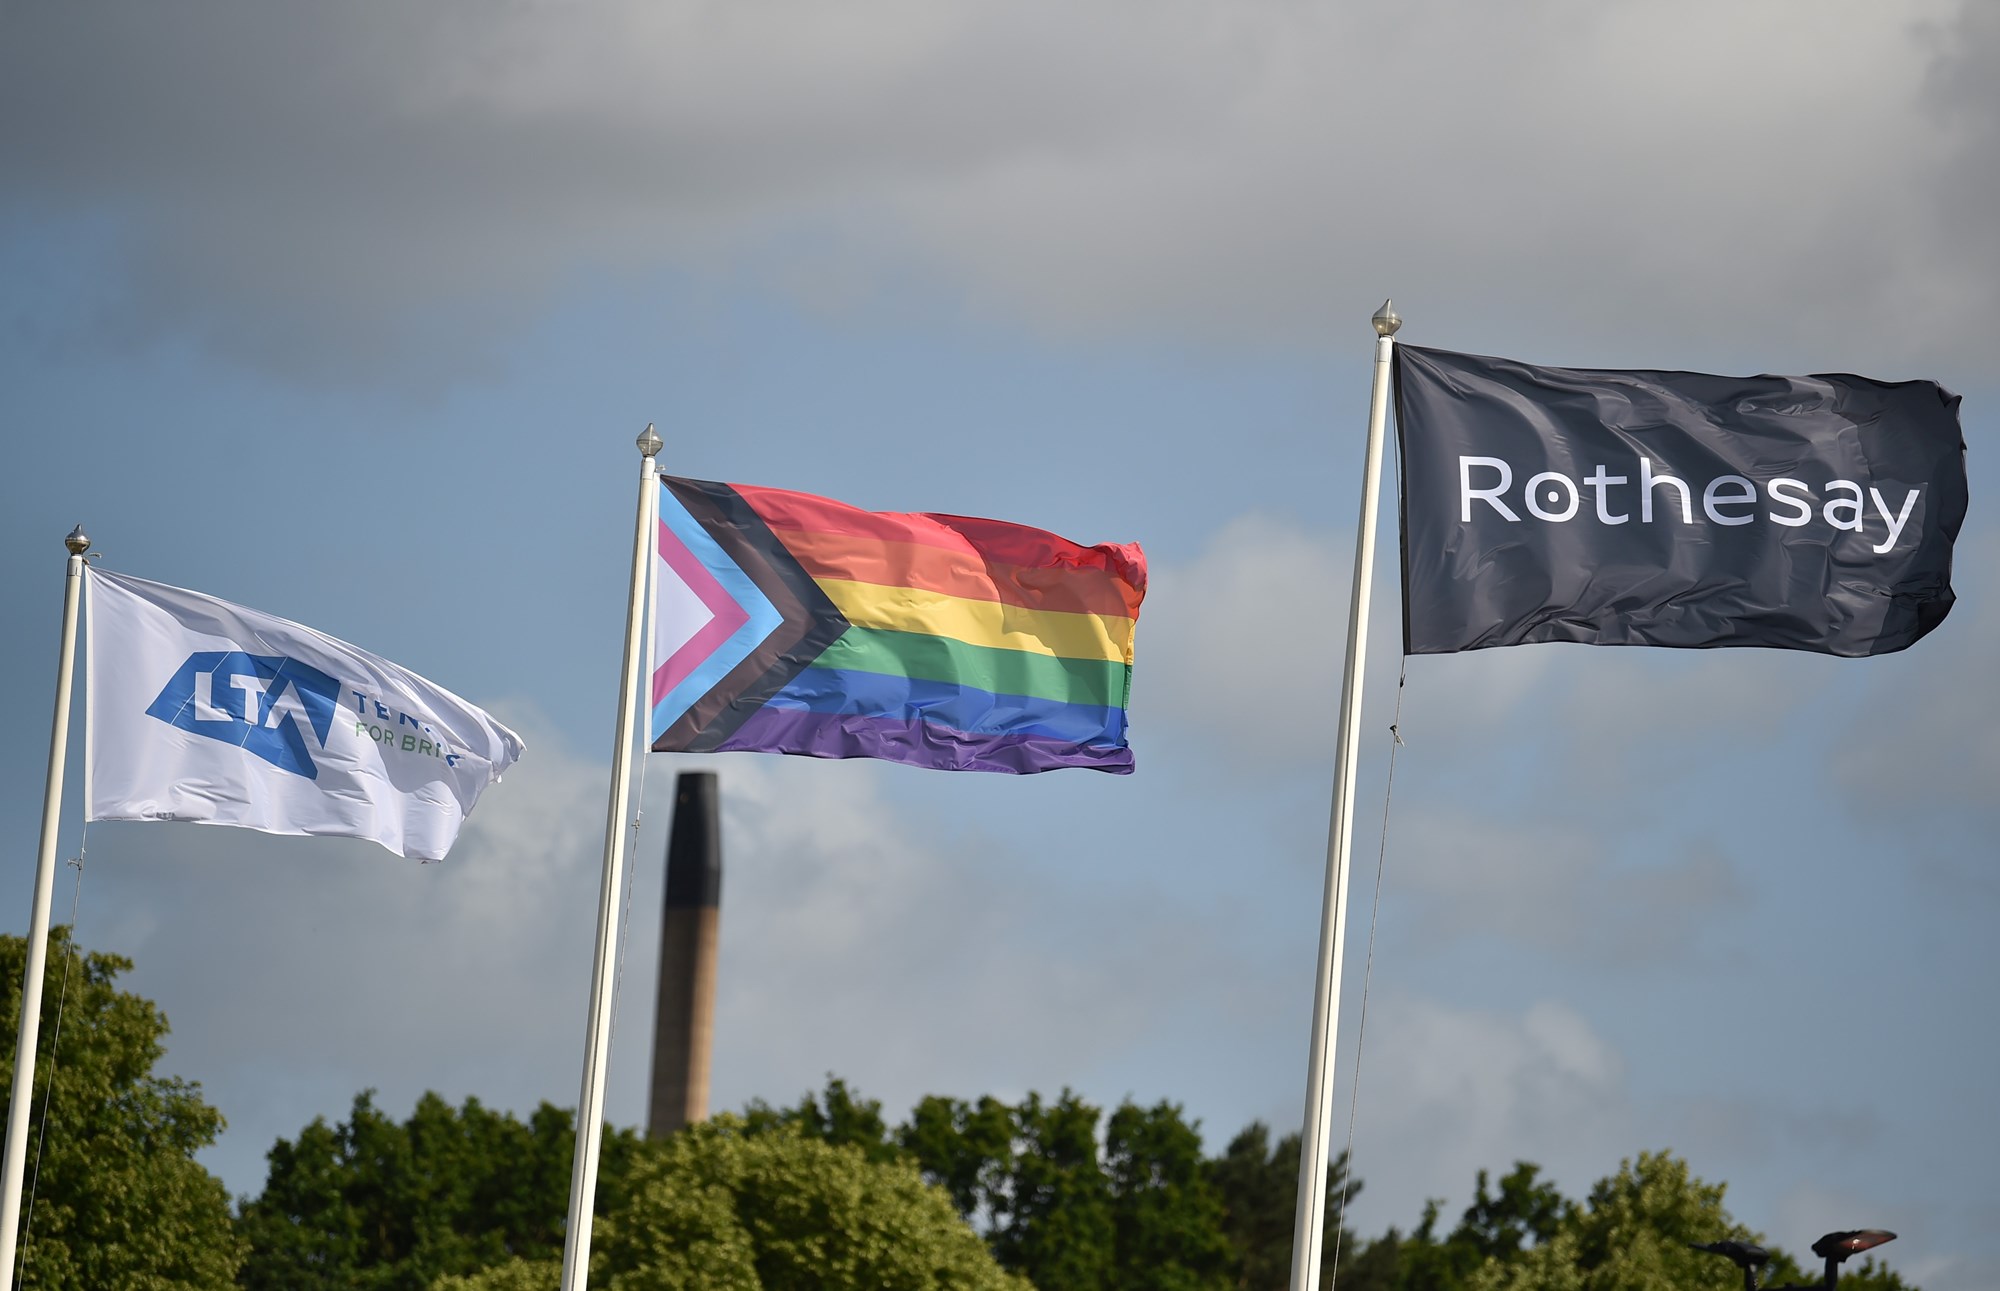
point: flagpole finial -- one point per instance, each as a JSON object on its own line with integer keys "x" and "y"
{"x": 1386, "y": 320}
{"x": 650, "y": 442}
{"x": 78, "y": 541}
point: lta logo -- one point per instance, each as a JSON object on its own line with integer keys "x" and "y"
{"x": 262, "y": 703}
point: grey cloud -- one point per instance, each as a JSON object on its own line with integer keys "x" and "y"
{"x": 1617, "y": 724}
{"x": 1451, "y": 1091}
{"x": 1895, "y": 747}
{"x": 322, "y": 186}
{"x": 1627, "y": 732}
{"x": 1554, "y": 887}
{"x": 1917, "y": 755}
{"x": 1721, "y": 1127}
{"x": 1963, "y": 99}
{"x": 1805, "y": 1212}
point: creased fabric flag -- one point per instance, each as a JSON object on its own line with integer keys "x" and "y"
{"x": 204, "y": 711}
{"x": 787, "y": 623}
{"x": 1672, "y": 508}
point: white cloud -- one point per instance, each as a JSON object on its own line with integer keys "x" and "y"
{"x": 855, "y": 942}
{"x": 1477, "y": 691}
{"x": 1448, "y": 1091}
{"x": 852, "y": 944}
{"x": 1247, "y": 641}
{"x": 297, "y": 972}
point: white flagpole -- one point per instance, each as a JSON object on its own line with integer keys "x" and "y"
{"x": 1308, "y": 1226}
{"x": 597, "y": 1043}
{"x": 18, "y": 1107}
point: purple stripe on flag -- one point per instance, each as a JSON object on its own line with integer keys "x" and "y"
{"x": 916, "y": 743}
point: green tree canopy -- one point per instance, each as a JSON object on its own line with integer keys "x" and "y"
{"x": 983, "y": 1193}
{"x": 838, "y": 1118}
{"x": 1634, "y": 1232}
{"x": 1054, "y": 1204}
{"x": 727, "y": 1206}
{"x": 374, "y": 1205}
{"x": 119, "y": 1202}
{"x": 1496, "y": 1227}
{"x": 1166, "y": 1215}
{"x": 1258, "y": 1185}
{"x": 964, "y": 1147}
{"x": 1143, "y": 1209}
{"x": 1140, "y": 1212}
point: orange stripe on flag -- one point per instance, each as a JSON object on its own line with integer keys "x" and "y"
{"x": 962, "y": 572}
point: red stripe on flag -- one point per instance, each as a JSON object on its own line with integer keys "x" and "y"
{"x": 1114, "y": 573}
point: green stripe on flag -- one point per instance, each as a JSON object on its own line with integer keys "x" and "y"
{"x": 1099, "y": 683}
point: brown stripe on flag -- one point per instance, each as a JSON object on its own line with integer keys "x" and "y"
{"x": 810, "y": 620}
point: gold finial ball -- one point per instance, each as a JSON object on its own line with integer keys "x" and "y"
{"x": 1386, "y": 320}
{"x": 650, "y": 442}
{"x": 78, "y": 541}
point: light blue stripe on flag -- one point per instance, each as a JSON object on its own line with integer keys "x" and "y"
{"x": 763, "y": 620}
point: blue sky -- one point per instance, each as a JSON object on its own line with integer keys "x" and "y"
{"x": 351, "y": 314}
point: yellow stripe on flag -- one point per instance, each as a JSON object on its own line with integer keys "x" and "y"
{"x": 987, "y": 623}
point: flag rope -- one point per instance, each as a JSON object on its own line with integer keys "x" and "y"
{"x": 1368, "y": 967}
{"x": 55, "y": 1050}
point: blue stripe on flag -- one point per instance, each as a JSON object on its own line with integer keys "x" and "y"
{"x": 764, "y": 617}
{"x": 962, "y": 708}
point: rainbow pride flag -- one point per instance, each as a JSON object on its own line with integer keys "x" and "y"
{"x": 787, "y": 623}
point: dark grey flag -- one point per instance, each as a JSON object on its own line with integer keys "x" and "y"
{"x": 1672, "y": 508}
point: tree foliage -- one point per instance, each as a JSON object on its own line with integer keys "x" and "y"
{"x": 965, "y": 1148}
{"x": 1166, "y": 1215}
{"x": 731, "y": 1206}
{"x": 119, "y": 1202}
{"x": 975, "y": 1193}
{"x": 375, "y": 1205}
{"x": 1495, "y": 1228}
{"x": 1054, "y": 1201}
{"x": 1635, "y": 1233}
{"x": 838, "y": 1118}
{"x": 981, "y": 1194}
{"x": 1136, "y": 1210}
{"x": 1257, "y": 1183}
{"x": 1139, "y": 1212}
{"x": 795, "y": 1212}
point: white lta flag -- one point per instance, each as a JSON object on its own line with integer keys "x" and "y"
{"x": 205, "y": 711}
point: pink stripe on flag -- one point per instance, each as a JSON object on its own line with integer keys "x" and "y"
{"x": 727, "y": 614}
